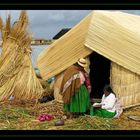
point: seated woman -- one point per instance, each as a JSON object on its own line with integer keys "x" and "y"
{"x": 106, "y": 108}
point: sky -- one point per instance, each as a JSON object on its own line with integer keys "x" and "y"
{"x": 47, "y": 23}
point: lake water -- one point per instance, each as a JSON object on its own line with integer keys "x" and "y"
{"x": 36, "y": 50}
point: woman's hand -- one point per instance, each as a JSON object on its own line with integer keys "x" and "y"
{"x": 97, "y": 105}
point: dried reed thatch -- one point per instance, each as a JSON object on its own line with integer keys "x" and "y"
{"x": 115, "y": 35}
{"x": 17, "y": 76}
{"x": 57, "y": 84}
{"x": 53, "y": 107}
{"x": 126, "y": 85}
{"x": 65, "y": 51}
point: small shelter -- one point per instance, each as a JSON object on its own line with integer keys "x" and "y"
{"x": 111, "y": 40}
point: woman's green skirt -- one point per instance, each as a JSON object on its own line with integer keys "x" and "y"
{"x": 101, "y": 113}
{"x": 80, "y": 101}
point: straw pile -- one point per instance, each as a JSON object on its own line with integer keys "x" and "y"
{"x": 52, "y": 107}
{"x": 126, "y": 85}
{"x": 17, "y": 76}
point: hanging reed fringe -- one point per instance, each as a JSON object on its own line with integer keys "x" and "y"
{"x": 57, "y": 86}
{"x": 17, "y": 76}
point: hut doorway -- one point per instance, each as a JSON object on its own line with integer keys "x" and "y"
{"x": 99, "y": 74}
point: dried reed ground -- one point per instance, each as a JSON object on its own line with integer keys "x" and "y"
{"x": 24, "y": 117}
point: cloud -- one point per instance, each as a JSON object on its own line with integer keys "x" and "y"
{"x": 135, "y": 12}
{"x": 47, "y": 23}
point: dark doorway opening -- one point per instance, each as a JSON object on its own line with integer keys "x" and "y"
{"x": 99, "y": 74}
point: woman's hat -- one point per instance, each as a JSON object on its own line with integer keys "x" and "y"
{"x": 82, "y": 62}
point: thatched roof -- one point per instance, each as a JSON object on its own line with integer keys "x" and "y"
{"x": 64, "y": 51}
{"x": 114, "y": 35}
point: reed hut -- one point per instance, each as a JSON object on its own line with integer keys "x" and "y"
{"x": 111, "y": 41}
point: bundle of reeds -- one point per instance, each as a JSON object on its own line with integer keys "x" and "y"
{"x": 17, "y": 75}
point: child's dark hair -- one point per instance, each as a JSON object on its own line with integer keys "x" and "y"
{"x": 109, "y": 89}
